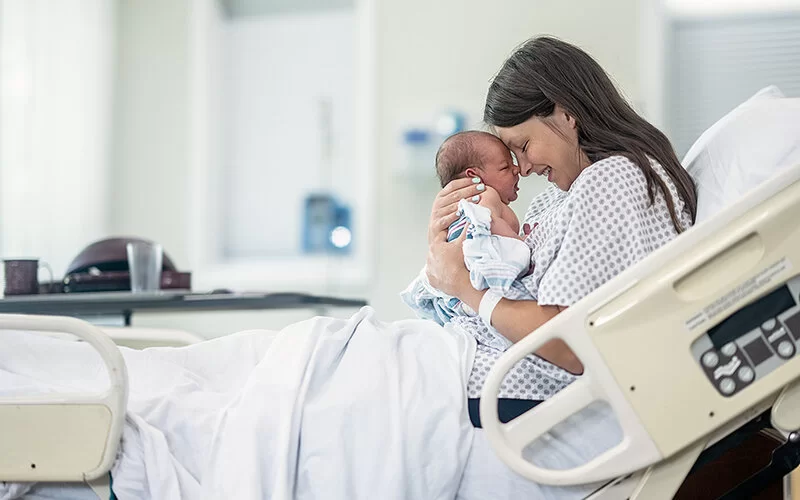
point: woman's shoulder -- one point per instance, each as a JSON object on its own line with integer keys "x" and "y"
{"x": 544, "y": 202}
{"x": 618, "y": 173}
{"x": 609, "y": 169}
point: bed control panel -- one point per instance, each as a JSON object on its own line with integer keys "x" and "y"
{"x": 753, "y": 341}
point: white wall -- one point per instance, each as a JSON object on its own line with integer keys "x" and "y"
{"x": 728, "y": 7}
{"x": 151, "y": 155}
{"x": 433, "y": 55}
{"x": 167, "y": 148}
{"x": 56, "y": 77}
{"x": 288, "y": 126}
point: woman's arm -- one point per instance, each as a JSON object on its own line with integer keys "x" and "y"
{"x": 515, "y": 319}
{"x": 447, "y": 272}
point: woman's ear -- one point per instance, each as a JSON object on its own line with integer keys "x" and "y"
{"x": 571, "y": 121}
{"x": 564, "y": 116}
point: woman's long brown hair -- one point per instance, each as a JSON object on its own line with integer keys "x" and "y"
{"x": 546, "y": 71}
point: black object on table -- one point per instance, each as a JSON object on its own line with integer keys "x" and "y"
{"x": 124, "y": 304}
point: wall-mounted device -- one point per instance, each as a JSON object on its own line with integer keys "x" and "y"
{"x": 327, "y": 225}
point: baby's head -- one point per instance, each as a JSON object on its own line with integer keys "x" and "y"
{"x": 478, "y": 154}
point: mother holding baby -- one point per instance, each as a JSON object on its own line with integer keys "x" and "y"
{"x": 617, "y": 192}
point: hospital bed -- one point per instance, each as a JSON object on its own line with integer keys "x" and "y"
{"x": 690, "y": 347}
{"x": 140, "y": 338}
{"x": 74, "y": 438}
{"x": 693, "y": 344}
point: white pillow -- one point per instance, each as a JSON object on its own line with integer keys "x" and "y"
{"x": 744, "y": 148}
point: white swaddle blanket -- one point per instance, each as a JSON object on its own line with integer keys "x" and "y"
{"x": 494, "y": 262}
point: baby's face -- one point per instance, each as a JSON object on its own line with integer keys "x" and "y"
{"x": 499, "y": 172}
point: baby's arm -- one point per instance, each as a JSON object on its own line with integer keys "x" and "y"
{"x": 504, "y": 221}
{"x": 501, "y": 227}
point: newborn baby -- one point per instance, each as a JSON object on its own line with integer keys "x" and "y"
{"x": 494, "y": 253}
{"x": 481, "y": 155}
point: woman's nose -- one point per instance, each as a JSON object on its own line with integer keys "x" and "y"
{"x": 525, "y": 169}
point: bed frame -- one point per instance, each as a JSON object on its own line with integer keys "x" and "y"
{"x": 70, "y": 438}
{"x": 674, "y": 346}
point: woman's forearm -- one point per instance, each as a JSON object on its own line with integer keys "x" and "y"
{"x": 515, "y": 319}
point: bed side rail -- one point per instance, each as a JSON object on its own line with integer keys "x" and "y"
{"x": 63, "y": 437}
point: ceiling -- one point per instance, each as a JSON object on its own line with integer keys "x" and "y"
{"x": 244, "y": 8}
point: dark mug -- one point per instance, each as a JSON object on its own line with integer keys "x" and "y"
{"x": 22, "y": 276}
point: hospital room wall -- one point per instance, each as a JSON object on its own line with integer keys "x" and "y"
{"x": 56, "y": 86}
{"x": 150, "y": 167}
{"x": 424, "y": 64}
{"x": 165, "y": 116}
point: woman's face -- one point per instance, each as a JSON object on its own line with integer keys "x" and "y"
{"x": 542, "y": 150}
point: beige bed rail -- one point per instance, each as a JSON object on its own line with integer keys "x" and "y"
{"x": 63, "y": 437}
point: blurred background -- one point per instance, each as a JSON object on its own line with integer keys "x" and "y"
{"x": 287, "y": 145}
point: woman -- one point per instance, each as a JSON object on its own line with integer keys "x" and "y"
{"x": 618, "y": 191}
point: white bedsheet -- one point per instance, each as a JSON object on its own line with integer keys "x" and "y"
{"x": 377, "y": 408}
{"x": 334, "y": 409}
{"x": 485, "y": 477}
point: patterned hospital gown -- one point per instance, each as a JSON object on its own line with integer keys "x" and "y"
{"x": 581, "y": 239}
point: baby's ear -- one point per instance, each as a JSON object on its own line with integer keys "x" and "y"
{"x": 472, "y": 172}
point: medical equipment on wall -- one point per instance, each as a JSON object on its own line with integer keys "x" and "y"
{"x": 327, "y": 225}
{"x": 685, "y": 347}
{"x": 421, "y": 141}
{"x": 420, "y": 150}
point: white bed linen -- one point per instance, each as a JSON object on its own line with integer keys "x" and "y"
{"x": 377, "y": 407}
{"x": 747, "y": 146}
{"x": 485, "y": 476}
{"x": 330, "y": 408}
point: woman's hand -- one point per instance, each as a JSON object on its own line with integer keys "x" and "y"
{"x": 445, "y": 205}
{"x": 445, "y": 265}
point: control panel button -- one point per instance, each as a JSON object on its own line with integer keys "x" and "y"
{"x": 729, "y": 349}
{"x": 785, "y": 349}
{"x": 780, "y": 332}
{"x": 728, "y": 369}
{"x": 710, "y": 359}
{"x": 746, "y": 374}
{"x": 727, "y": 386}
{"x": 768, "y": 325}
